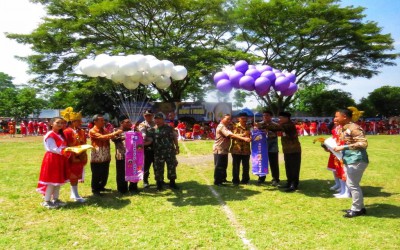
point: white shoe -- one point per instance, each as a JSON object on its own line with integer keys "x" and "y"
{"x": 343, "y": 196}
{"x": 79, "y": 199}
{"x": 48, "y": 205}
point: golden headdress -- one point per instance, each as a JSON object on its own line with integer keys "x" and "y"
{"x": 69, "y": 115}
{"x": 356, "y": 114}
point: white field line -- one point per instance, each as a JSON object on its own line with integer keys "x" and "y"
{"x": 240, "y": 230}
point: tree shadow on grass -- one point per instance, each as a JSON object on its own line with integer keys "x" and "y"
{"x": 369, "y": 191}
{"x": 194, "y": 194}
{"x": 320, "y": 188}
{"x": 382, "y": 210}
{"x": 112, "y": 200}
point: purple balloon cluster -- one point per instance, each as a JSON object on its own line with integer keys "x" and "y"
{"x": 259, "y": 78}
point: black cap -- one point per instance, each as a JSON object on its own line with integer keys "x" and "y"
{"x": 148, "y": 112}
{"x": 159, "y": 115}
{"x": 285, "y": 114}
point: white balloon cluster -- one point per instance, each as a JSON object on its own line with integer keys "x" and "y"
{"x": 131, "y": 70}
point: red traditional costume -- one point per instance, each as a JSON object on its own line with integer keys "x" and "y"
{"x": 54, "y": 164}
{"x": 76, "y": 163}
{"x": 23, "y": 129}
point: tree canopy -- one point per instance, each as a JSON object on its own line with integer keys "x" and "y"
{"x": 316, "y": 39}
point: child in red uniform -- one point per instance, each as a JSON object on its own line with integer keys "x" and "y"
{"x": 54, "y": 165}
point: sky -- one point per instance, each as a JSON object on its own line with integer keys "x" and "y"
{"x": 21, "y": 16}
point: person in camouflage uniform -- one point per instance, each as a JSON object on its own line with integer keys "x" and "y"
{"x": 165, "y": 145}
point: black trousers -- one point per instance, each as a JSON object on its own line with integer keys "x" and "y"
{"x": 99, "y": 175}
{"x": 220, "y": 166}
{"x": 292, "y": 166}
{"x": 273, "y": 159}
{"x": 236, "y": 160}
{"x": 122, "y": 185}
{"x": 148, "y": 160}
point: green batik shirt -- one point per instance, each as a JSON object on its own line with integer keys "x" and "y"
{"x": 355, "y": 144}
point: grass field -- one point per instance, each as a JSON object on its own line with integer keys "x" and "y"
{"x": 200, "y": 215}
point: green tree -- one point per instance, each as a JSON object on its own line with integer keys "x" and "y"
{"x": 386, "y": 100}
{"x": 304, "y": 97}
{"x": 19, "y": 103}
{"x": 239, "y": 98}
{"x": 193, "y": 33}
{"x": 5, "y": 81}
{"x": 316, "y": 39}
{"x": 368, "y": 108}
{"x": 328, "y": 101}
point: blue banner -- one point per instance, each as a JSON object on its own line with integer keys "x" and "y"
{"x": 259, "y": 153}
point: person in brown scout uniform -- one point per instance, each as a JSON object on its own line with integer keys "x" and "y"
{"x": 221, "y": 149}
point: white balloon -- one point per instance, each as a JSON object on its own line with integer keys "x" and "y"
{"x": 178, "y": 72}
{"x": 163, "y": 82}
{"x": 128, "y": 66}
{"x": 168, "y": 66}
{"x": 141, "y": 60}
{"x": 117, "y": 77}
{"x": 109, "y": 67}
{"x": 91, "y": 70}
{"x": 131, "y": 85}
{"x": 150, "y": 58}
{"x": 147, "y": 78}
{"x": 84, "y": 64}
{"x": 155, "y": 67}
{"x": 137, "y": 76}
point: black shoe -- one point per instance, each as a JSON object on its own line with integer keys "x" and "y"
{"x": 275, "y": 183}
{"x": 352, "y": 213}
{"x": 290, "y": 189}
{"x": 226, "y": 181}
{"x": 160, "y": 185}
{"x": 146, "y": 185}
{"x": 236, "y": 184}
{"x": 97, "y": 193}
{"x": 218, "y": 184}
{"x": 173, "y": 185}
{"x": 105, "y": 190}
{"x": 244, "y": 182}
{"x": 286, "y": 186}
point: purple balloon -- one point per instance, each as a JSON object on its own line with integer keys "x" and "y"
{"x": 252, "y": 66}
{"x": 276, "y": 71}
{"x": 235, "y": 76}
{"x": 241, "y": 66}
{"x": 279, "y": 74}
{"x": 253, "y": 73}
{"x": 270, "y": 75}
{"x": 281, "y": 83}
{"x": 291, "y": 76}
{"x": 263, "y": 68}
{"x": 224, "y": 85}
{"x": 290, "y": 90}
{"x": 247, "y": 83}
{"x": 219, "y": 76}
{"x": 262, "y": 86}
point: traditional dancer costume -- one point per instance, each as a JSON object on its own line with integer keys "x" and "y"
{"x": 53, "y": 172}
{"x": 76, "y": 162}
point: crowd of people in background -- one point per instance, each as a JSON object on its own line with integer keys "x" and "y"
{"x": 206, "y": 130}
